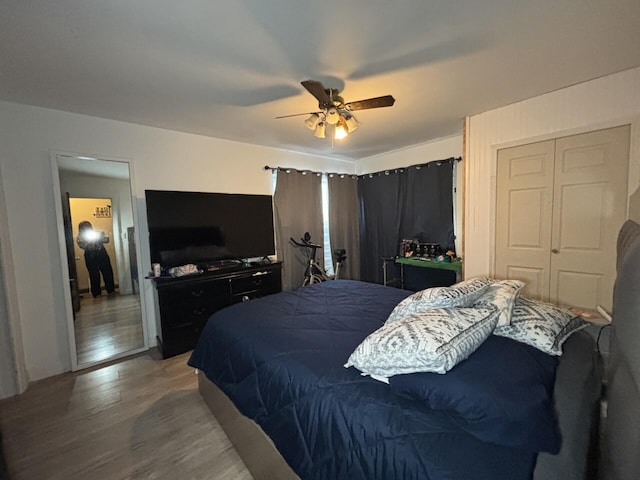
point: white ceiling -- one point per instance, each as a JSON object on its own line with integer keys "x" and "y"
{"x": 226, "y": 68}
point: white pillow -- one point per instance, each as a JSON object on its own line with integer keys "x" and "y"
{"x": 431, "y": 341}
{"x": 462, "y": 294}
{"x": 541, "y": 325}
{"x": 501, "y": 294}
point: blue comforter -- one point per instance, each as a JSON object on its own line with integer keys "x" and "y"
{"x": 280, "y": 360}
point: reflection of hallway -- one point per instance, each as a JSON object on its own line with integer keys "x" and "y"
{"x": 107, "y": 326}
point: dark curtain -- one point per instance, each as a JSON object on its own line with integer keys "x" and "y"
{"x": 344, "y": 228}
{"x": 379, "y": 223}
{"x": 426, "y": 204}
{"x": 298, "y": 209}
{"x": 414, "y": 202}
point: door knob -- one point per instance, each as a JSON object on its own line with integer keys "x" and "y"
{"x": 555, "y": 250}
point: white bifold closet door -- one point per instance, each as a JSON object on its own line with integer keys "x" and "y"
{"x": 559, "y": 206}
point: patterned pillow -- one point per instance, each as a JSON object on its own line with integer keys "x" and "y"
{"x": 501, "y": 294}
{"x": 432, "y": 341}
{"x": 462, "y": 294}
{"x": 541, "y": 325}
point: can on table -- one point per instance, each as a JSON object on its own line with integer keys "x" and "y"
{"x": 156, "y": 269}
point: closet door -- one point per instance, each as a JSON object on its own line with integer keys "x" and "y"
{"x": 523, "y": 215}
{"x": 590, "y": 205}
{"x": 560, "y": 204}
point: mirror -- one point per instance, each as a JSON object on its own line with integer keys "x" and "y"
{"x": 105, "y": 315}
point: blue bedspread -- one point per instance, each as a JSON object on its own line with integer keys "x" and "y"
{"x": 280, "y": 360}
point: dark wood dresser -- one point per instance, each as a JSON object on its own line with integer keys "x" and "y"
{"x": 184, "y": 304}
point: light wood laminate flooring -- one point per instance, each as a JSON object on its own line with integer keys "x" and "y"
{"x": 107, "y": 326}
{"x": 142, "y": 418}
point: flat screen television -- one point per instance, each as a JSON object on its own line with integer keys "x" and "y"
{"x": 204, "y": 228}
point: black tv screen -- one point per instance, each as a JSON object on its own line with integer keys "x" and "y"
{"x": 202, "y": 228}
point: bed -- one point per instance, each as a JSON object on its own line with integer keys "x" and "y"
{"x": 273, "y": 373}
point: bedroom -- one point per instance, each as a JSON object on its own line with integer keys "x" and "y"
{"x": 29, "y": 133}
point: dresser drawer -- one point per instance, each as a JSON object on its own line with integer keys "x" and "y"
{"x": 194, "y": 293}
{"x": 190, "y": 305}
{"x": 257, "y": 285}
{"x": 179, "y": 316}
{"x": 181, "y": 339}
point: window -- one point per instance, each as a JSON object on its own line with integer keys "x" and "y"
{"x": 328, "y": 261}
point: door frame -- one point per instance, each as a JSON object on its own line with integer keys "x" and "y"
{"x": 71, "y": 265}
{"x": 68, "y": 307}
{"x": 633, "y": 173}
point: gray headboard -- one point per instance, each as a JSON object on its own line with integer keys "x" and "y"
{"x": 622, "y": 440}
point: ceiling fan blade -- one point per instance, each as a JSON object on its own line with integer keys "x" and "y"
{"x": 317, "y": 90}
{"x": 296, "y": 115}
{"x": 377, "y": 102}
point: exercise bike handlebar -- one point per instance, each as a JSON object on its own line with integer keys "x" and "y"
{"x": 305, "y": 243}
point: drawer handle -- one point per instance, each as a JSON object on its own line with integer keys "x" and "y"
{"x": 199, "y": 311}
{"x": 197, "y": 293}
{"x": 182, "y": 325}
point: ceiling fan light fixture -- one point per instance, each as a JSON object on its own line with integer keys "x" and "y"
{"x": 340, "y": 131}
{"x": 351, "y": 123}
{"x": 333, "y": 110}
{"x": 312, "y": 121}
{"x": 332, "y": 116}
{"x": 319, "y": 131}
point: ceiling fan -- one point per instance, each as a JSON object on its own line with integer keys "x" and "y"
{"x": 334, "y": 111}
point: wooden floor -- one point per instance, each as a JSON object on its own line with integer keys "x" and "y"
{"x": 137, "y": 419}
{"x": 107, "y": 326}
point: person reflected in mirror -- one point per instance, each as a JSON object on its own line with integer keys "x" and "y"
{"x": 96, "y": 258}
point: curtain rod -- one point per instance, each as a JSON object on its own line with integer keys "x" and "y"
{"x": 383, "y": 172}
{"x": 417, "y": 167}
{"x": 304, "y": 172}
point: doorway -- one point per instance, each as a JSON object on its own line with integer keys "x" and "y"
{"x": 559, "y": 206}
{"x": 102, "y": 327}
{"x": 97, "y": 211}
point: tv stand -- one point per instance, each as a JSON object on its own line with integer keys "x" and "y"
{"x": 184, "y": 304}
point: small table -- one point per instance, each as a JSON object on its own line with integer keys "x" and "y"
{"x": 425, "y": 262}
{"x": 598, "y": 316}
{"x": 387, "y": 279}
{"x": 599, "y": 319}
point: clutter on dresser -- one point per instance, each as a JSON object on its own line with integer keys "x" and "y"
{"x": 182, "y": 270}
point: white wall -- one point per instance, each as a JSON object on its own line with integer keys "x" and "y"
{"x": 161, "y": 159}
{"x": 606, "y": 102}
{"x": 426, "y": 152}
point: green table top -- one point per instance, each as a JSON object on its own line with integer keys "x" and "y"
{"x": 455, "y": 265}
